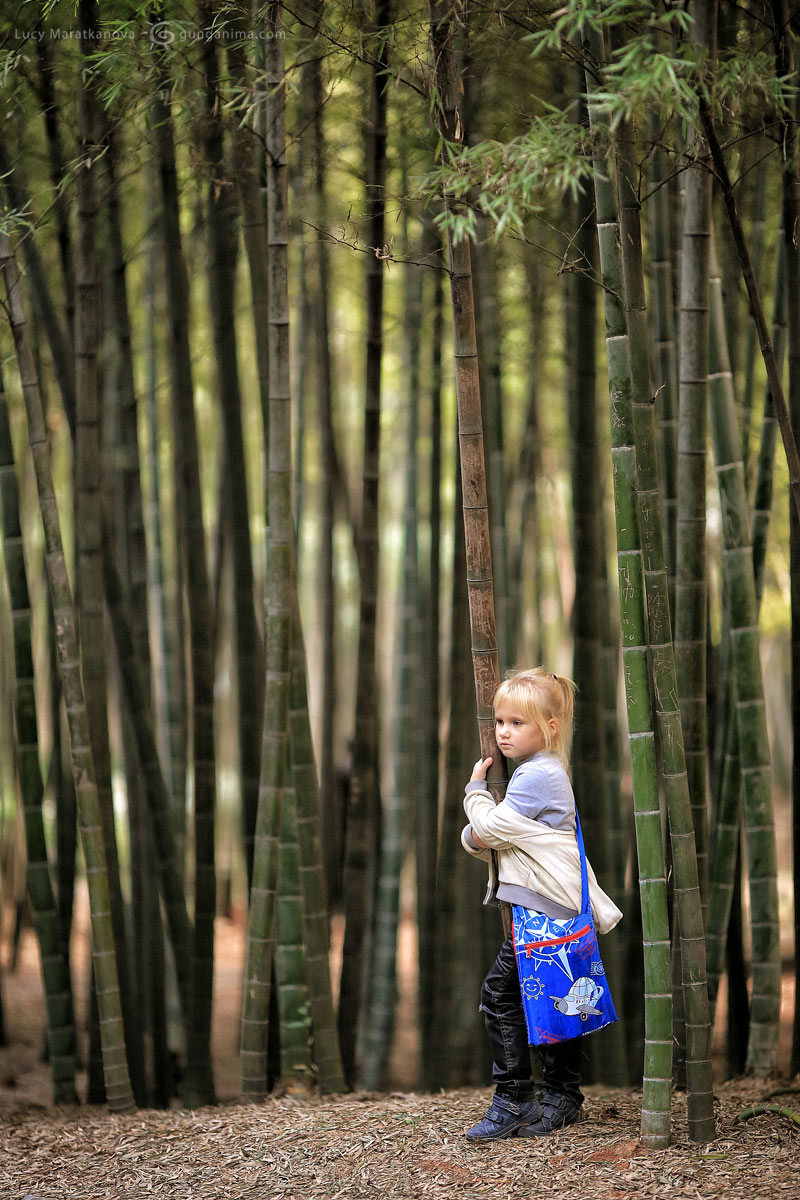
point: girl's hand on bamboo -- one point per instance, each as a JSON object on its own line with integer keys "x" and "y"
{"x": 480, "y": 769}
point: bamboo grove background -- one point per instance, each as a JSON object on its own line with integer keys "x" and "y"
{"x": 258, "y": 264}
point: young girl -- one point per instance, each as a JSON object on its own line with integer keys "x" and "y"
{"x": 530, "y": 836}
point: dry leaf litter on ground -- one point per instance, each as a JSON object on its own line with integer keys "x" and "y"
{"x": 395, "y": 1146}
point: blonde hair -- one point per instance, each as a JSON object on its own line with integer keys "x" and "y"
{"x": 542, "y": 697}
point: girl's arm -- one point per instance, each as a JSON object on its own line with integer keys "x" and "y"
{"x": 473, "y": 845}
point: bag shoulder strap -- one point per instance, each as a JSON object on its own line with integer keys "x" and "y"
{"x": 585, "y": 905}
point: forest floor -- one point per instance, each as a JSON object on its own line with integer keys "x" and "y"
{"x": 395, "y": 1145}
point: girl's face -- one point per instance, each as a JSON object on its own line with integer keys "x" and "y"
{"x": 517, "y": 736}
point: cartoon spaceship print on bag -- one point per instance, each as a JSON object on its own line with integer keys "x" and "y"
{"x": 561, "y": 945}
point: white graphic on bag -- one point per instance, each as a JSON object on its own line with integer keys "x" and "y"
{"x": 543, "y": 940}
{"x": 581, "y": 999}
{"x": 532, "y": 988}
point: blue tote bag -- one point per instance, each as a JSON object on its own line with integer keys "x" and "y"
{"x": 564, "y": 988}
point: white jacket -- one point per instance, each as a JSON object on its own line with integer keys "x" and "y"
{"x": 534, "y": 856}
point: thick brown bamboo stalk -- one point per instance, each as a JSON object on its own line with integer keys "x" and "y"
{"x": 470, "y": 423}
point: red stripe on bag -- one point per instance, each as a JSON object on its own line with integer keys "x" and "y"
{"x": 569, "y": 937}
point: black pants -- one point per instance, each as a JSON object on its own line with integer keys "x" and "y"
{"x": 501, "y": 1005}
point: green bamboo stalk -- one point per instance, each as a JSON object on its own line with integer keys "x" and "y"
{"x": 54, "y": 958}
{"x": 364, "y": 799}
{"x": 60, "y": 346}
{"x": 278, "y": 592}
{"x": 88, "y": 489}
{"x": 57, "y": 161}
{"x": 169, "y": 675}
{"x": 756, "y": 307}
{"x": 657, "y": 1082}
{"x": 427, "y": 805}
{"x": 198, "y": 1081}
{"x": 290, "y": 963}
{"x": 786, "y": 66}
{"x": 691, "y": 589}
{"x": 135, "y": 686}
{"x": 664, "y": 351}
{"x": 121, "y": 447}
{"x": 19, "y": 201}
{"x": 762, "y": 498}
{"x": 248, "y": 147}
{"x": 728, "y": 812}
{"x": 754, "y": 759}
{"x": 588, "y": 747}
{"x": 758, "y": 155}
{"x": 115, "y": 1067}
{"x": 222, "y": 247}
{"x": 662, "y": 664}
{"x": 690, "y": 562}
{"x": 529, "y": 566}
{"x": 332, "y": 817}
{"x": 246, "y": 156}
{"x": 312, "y": 876}
{"x": 454, "y": 1027}
{"x": 379, "y": 1023}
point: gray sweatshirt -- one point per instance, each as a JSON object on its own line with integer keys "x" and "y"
{"x": 540, "y": 790}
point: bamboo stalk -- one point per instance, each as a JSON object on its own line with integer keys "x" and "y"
{"x": 199, "y": 1082}
{"x": 485, "y": 667}
{"x": 222, "y": 249}
{"x": 756, "y": 307}
{"x": 312, "y": 876}
{"x": 662, "y": 663}
{"x": 115, "y": 1067}
{"x": 737, "y": 562}
{"x": 364, "y": 799}
{"x": 278, "y": 592}
{"x": 690, "y": 561}
{"x": 52, "y": 949}
{"x": 657, "y": 1082}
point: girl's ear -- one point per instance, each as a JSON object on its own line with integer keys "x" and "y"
{"x": 553, "y": 725}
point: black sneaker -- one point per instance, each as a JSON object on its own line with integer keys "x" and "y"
{"x": 504, "y": 1117}
{"x": 557, "y": 1111}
